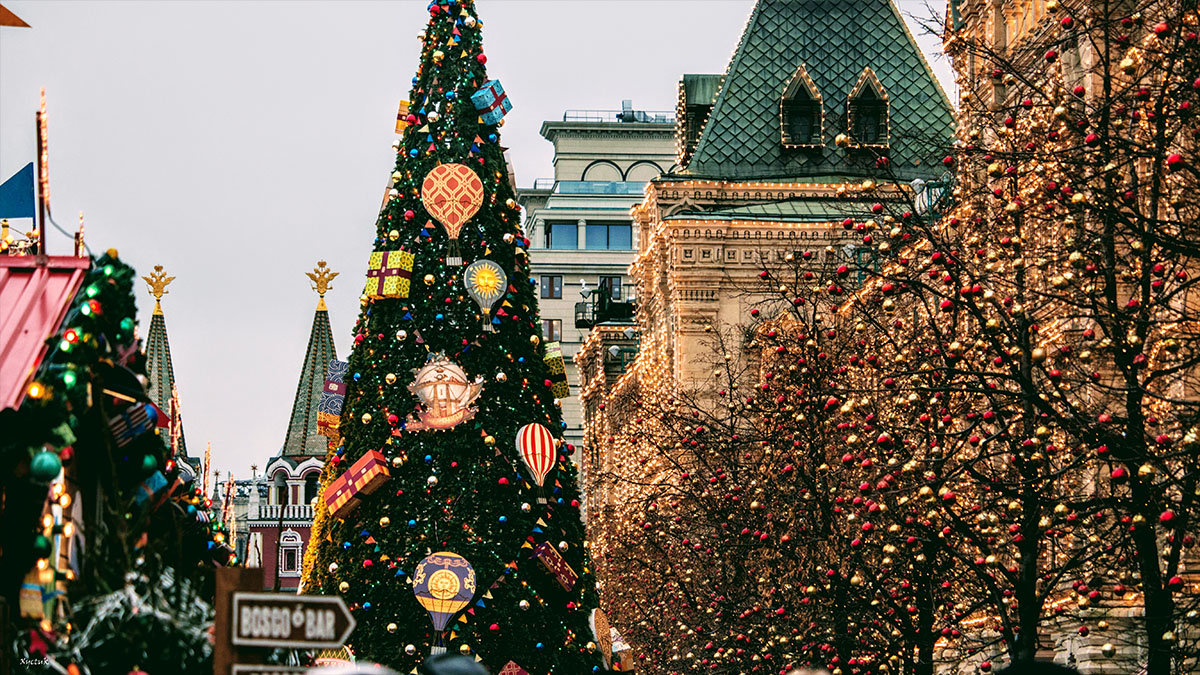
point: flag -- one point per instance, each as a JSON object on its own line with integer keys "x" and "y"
{"x": 16, "y": 194}
{"x": 135, "y": 421}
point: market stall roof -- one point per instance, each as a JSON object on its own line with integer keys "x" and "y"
{"x": 35, "y": 292}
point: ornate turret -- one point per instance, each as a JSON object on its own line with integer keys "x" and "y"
{"x": 159, "y": 369}
{"x": 302, "y": 438}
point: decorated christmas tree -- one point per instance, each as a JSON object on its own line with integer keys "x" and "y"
{"x": 450, "y": 508}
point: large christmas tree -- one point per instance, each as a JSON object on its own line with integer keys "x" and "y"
{"x": 447, "y": 381}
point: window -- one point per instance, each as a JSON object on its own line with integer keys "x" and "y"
{"x": 800, "y": 111}
{"x": 868, "y": 111}
{"x": 552, "y": 330}
{"x": 865, "y": 263}
{"x": 613, "y": 284}
{"x": 281, "y": 489}
{"x": 551, "y": 287}
{"x": 609, "y": 237}
{"x": 312, "y": 487}
{"x": 562, "y": 236}
{"x": 290, "y": 545}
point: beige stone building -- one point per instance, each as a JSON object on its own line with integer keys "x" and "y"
{"x": 578, "y": 223}
{"x": 771, "y": 157}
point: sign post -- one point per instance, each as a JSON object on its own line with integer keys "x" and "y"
{"x": 250, "y": 622}
{"x": 296, "y": 621}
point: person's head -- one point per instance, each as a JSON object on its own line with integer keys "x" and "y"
{"x": 1038, "y": 668}
{"x": 451, "y": 664}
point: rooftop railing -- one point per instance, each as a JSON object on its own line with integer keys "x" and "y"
{"x": 617, "y": 116}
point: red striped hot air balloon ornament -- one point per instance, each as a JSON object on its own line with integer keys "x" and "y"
{"x": 537, "y": 448}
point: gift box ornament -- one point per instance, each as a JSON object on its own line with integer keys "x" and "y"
{"x": 329, "y": 408}
{"x": 402, "y": 117}
{"x": 361, "y": 479}
{"x": 491, "y": 102}
{"x": 511, "y": 668}
{"x": 555, "y": 565}
{"x": 149, "y": 488}
{"x": 557, "y": 369}
{"x": 389, "y": 274}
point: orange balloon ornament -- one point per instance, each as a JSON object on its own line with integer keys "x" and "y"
{"x": 452, "y": 193}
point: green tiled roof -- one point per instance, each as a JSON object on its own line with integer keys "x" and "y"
{"x": 835, "y": 40}
{"x": 795, "y": 210}
{"x": 700, "y": 89}
{"x": 302, "y": 437}
{"x": 160, "y": 372}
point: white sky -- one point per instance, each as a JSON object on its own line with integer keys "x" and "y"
{"x": 237, "y": 143}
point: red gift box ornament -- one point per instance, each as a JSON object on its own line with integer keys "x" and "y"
{"x": 555, "y": 565}
{"x": 365, "y": 477}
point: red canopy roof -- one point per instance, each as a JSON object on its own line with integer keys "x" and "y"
{"x": 35, "y": 292}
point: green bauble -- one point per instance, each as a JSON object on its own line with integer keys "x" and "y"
{"x": 41, "y": 546}
{"x": 45, "y": 466}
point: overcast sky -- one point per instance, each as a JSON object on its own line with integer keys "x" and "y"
{"x": 238, "y": 143}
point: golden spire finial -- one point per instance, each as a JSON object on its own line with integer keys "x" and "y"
{"x": 321, "y": 276}
{"x": 158, "y": 282}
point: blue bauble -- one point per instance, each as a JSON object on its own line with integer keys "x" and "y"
{"x": 414, "y": 152}
{"x": 429, "y": 459}
{"x": 503, "y": 519}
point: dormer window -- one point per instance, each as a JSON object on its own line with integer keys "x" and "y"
{"x": 800, "y": 117}
{"x": 867, "y": 111}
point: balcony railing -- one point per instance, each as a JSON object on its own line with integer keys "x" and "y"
{"x": 543, "y": 183}
{"x": 650, "y": 116}
{"x": 290, "y": 512}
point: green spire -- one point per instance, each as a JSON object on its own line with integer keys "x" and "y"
{"x": 159, "y": 371}
{"x": 302, "y": 437}
{"x": 836, "y": 41}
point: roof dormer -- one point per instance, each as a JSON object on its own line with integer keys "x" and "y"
{"x": 867, "y": 112}
{"x": 801, "y": 121}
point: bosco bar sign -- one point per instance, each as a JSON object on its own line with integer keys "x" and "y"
{"x": 279, "y": 620}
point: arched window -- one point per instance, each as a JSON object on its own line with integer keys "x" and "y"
{"x": 800, "y": 111}
{"x": 281, "y": 488}
{"x": 312, "y": 486}
{"x": 867, "y": 111}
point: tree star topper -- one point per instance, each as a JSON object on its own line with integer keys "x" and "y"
{"x": 158, "y": 281}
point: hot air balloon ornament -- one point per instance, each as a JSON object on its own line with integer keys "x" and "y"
{"x": 444, "y": 584}
{"x": 537, "y": 447}
{"x": 486, "y": 282}
{"x": 452, "y": 193}
{"x": 445, "y": 393}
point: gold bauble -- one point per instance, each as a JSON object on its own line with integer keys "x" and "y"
{"x": 392, "y": 628}
{"x": 390, "y": 378}
{"x": 394, "y": 235}
{"x": 1107, "y": 649}
{"x": 385, "y": 521}
{"x": 534, "y": 340}
{"x": 366, "y": 418}
{"x": 489, "y": 440}
{"x": 343, "y": 587}
{"x": 402, "y": 335}
{"x": 429, "y": 279}
{"x": 397, "y": 462}
{"x": 591, "y": 646}
{"x": 464, "y": 649}
{"x": 510, "y": 203}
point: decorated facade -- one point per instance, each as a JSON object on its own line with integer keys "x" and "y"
{"x": 280, "y": 506}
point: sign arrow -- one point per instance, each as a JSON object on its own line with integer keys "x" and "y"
{"x": 282, "y": 620}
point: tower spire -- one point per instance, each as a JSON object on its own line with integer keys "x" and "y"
{"x": 302, "y": 437}
{"x": 159, "y": 369}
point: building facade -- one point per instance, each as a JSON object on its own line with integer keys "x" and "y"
{"x": 579, "y": 226}
{"x": 279, "y": 506}
{"x": 773, "y": 155}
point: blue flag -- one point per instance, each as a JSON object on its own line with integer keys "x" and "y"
{"x": 16, "y": 194}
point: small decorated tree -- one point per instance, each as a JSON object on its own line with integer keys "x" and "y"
{"x": 452, "y": 514}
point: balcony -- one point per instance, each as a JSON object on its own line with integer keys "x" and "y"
{"x": 290, "y": 512}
